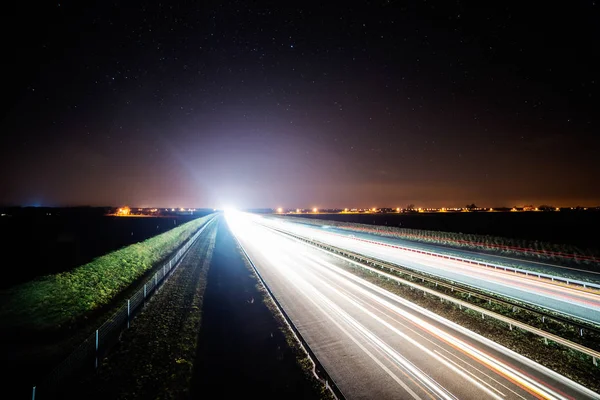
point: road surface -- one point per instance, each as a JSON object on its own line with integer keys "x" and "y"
{"x": 376, "y": 345}
{"x": 569, "y": 300}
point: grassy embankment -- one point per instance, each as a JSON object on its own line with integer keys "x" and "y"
{"x": 53, "y": 301}
{"x": 535, "y": 250}
{"x": 154, "y": 358}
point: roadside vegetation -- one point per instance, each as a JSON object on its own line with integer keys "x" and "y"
{"x": 53, "y": 301}
{"x": 535, "y": 250}
{"x": 155, "y": 357}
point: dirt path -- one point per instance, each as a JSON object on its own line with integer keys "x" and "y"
{"x": 154, "y": 357}
{"x": 242, "y": 351}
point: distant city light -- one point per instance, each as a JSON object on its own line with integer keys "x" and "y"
{"x": 123, "y": 211}
{"x": 298, "y": 210}
{"x": 398, "y": 209}
{"x": 280, "y": 210}
{"x": 315, "y": 209}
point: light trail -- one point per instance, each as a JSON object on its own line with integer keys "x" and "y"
{"x": 376, "y": 344}
{"x": 569, "y": 300}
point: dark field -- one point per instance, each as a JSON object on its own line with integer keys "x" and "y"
{"x": 578, "y": 228}
{"x": 43, "y": 244}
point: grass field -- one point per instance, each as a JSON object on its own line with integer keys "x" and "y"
{"x": 52, "y": 301}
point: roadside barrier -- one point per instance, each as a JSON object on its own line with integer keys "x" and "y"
{"x": 438, "y": 237}
{"x": 511, "y": 323}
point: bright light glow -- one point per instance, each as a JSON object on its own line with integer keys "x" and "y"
{"x": 280, "y": 210}
{"x": 315, "y": 209}
{"x": 230, "y": 211}
{"x": 297, "y": 210}
{"x": 398, "y": 209}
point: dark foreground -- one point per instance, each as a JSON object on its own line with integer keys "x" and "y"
{"x": 206, "y": 334}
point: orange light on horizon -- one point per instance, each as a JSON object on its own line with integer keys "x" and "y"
{"x": 123, "y": 211}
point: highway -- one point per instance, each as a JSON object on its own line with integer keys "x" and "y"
{"x": 376, "y": 345}
{"x": 549, "y": 268}
{"x": 569, "y": 300}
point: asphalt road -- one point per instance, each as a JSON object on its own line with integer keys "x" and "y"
{"x": 569, "y": 300}
{"x": 375, "y": 344}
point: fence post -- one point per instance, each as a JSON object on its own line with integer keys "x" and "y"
{"x": 33, "y": 391}
{"x": 96, "y": 363}
{"x": 128, "y": 312}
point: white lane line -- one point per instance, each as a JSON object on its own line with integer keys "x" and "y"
{"x": 356, "y": 298}
{"x": 359, "y": 300}
{"x": 493, "y": 363}
{"x": 415, "y": 343}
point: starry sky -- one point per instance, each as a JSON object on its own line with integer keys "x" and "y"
{"x": 300, "y": 104}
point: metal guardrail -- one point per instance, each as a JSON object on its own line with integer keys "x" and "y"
{"x": 86, "y": 357}
{"x": 410, "y": 236}
{"x": 320, "y": 371}
{"x": 593, "y": 354}
{"x": 579, "y": 323}
{"x": 525, "y": 272}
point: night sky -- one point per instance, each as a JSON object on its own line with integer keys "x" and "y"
{"x": 251, "y": 104}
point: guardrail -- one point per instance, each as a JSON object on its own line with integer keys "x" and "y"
{"x": 484, "y": 264}
{"x": 436, "y": 236}
{"x": 320, "y": 371}
{"x": 87, "y": 355}
{"x": 593, "y": 354}
{"x": 578, "y": 323}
